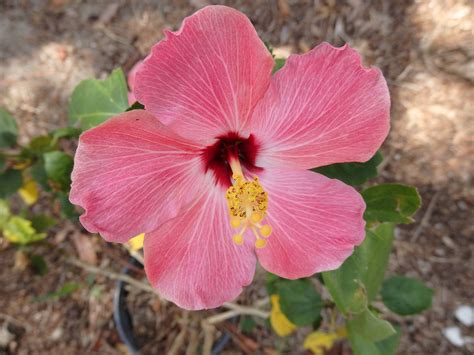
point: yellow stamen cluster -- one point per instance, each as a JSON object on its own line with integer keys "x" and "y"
{"x": 248, "y": 202}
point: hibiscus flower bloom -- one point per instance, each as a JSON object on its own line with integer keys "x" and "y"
{"x": 214, "y": 170}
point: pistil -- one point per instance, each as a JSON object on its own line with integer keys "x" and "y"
{"x": 247, "y": 202}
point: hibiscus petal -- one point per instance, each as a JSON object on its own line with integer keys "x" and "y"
{"x": 205, "y": 79}
{"x": 316, "y": 223}
{"x": 322, "y": 107}
{"x": 192, "y": 260}
{"x": 131, "y": 174}
{"x": 131, "y": 81}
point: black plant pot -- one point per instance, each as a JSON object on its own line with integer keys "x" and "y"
{"x": 124, "y": 321}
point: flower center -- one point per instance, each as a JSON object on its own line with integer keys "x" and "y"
{"x": 247, "y": 202}
{"x": 215, "y": 158}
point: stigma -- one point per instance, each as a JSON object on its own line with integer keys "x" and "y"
{"x": 247, "y": 203}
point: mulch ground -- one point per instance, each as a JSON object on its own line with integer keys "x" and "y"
{"x": 425, "y": 51}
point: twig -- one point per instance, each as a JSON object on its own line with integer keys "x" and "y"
{"x": 209, "y": 330}
{"x": 246, "y": 310}
{"x": 180, "y": 338}
{"x": 193, "y": 342}
{"x": 222, "y": 317}
{"x": 237, "y": 310}
{"x": 111, "y": 275}
{"x": 426, "y": 217}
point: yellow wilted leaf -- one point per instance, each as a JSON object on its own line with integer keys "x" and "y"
{"x": 318, "y": 342}
{"x": 278, "y": 320}
{"x": 136, "y": 243}
{"x": 29, "y": 192}
{"x": 21, "y": 165}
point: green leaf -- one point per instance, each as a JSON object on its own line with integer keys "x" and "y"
{"x": 362, "y": 346}
{"x": 406, "y": 296}
{"x": 40, "y": 145}
{"x": 358, "y": 280}
{"x": 39, "y": 264}
{"x": 136, "y": 106}
{"x": 389, "y": 345}
{"x": 247, "y": 324}
{"x": 38, "y": 173}
{"x": 68, "y": 210}
{"x": 279, "y": 63}
{"x": 94, "y": 101}
{"x": 10, "y": 181}
{"x": 4, "y": 213}
{"x": 372, "y": 258}
{"x": 364, "y": 330}
{"x": 272, "y": 281}
{"x": 8, "y": 129}
{"x": 3, "y": 162}
{"x": 369, "y": 327}
{"x": 66, "y": 132}
{"x": 352, "y": 173}
{"x": 42, "y": 222}
{"x": 58, "y": 167}
{"x": 65, "y": 290}
{"x": 391, "y": 203}
{"x": 299, "y": 301}
{"x": 20, "y": 231}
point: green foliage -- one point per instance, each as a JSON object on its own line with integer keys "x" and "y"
{"x": 391, "y": 203}
{"x": 67, "y": 132}
{"x": 136, "y": 106}
{"x": 272, "y": 281}
{"x": 10, "y": 181}
{"x": 38, "y": 264}
{"x": 4, "y": 213}
{"x": 40, "y": 145}
{"x": 406, "y": 296}
{"x": 279, "y": 63}
{"x": 8, "y": 129}
{"x": 58, "y": 167}
{"x": 352, "y": 173}
{"x": 20, "y": 231}
{"x": 42, "y": 222}
{"x": 65, "y": 290}
{"x": 299, "y": 301}
{"x": 358, "y": 280}
{"x": 368, "y": 326}
{"x": 389, "y": 345}
{"x": 247, "y": 324}
{"x": 363, "y": 345}
{"x": 38, "y": 173}
{"x": 94, "y": 101}
{"x": 67, "y": 209}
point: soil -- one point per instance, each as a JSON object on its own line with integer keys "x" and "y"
{"x": 425, "y": 50}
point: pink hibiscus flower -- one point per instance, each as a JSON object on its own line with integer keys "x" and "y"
{"x": 131, "y": 81}
{"x": 214, "y": 170}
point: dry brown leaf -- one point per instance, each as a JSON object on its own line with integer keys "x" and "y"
{"x": 85, "y": 248}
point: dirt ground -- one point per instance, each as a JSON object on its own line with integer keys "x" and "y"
{"x": 425, "y": 49}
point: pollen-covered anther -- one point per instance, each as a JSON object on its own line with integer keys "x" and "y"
{"x": 265, "y": 230}
{"x": 247, "y": 202}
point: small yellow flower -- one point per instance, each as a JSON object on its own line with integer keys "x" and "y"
{"x": 278, "y": 320}
{"x": 318, "y": 342}
{"x": 29, "y": 192}
{"x": 136, "y": 243}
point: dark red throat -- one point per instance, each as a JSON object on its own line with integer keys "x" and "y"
{"x": 216, "y": 157}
